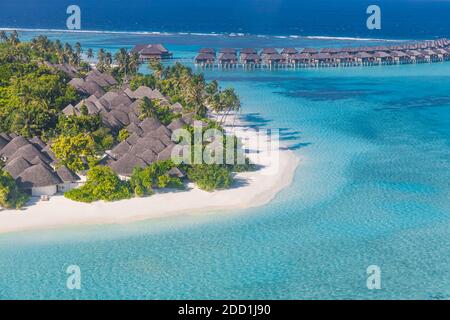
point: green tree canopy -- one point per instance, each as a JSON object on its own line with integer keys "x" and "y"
{"x": 10, "y": 195}
{"x": 75, "y": 151}
{"x": 102, "y": 184}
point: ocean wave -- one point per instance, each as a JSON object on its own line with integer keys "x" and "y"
{"x": 158, "y": 33}
{"x": 200, "y": 34}
{"x": 350, "y": 38}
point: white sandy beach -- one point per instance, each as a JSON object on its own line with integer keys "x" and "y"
{"x": 252, "y": 189}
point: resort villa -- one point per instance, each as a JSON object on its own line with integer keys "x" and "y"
{"x": 149, "y": 52}
{"x": 417, "y": 52}
{"x": 34, "y": 166}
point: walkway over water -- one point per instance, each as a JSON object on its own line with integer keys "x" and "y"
{"x": 416, "y": 52}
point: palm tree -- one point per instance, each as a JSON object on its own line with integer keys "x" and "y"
{"x": 122, "y": 59}
{"x": 78, "y": 52}
{"x": 3, "y": 36}
{"x": 156, "y": 67}
{"x": 101, "y": 60}
{"x": 108, "y": 59}
{"x": 68, "y": 52}
{"x": 14, "y": 38}
{"x": 196, "y": 94}
{"x": 229, "y": 101}
{"x": 90, "y": 53}
{"x": 147, "y": 109}
{"x": 134, "y": 63}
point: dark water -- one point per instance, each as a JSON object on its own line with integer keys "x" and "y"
{"x": 400, "y": 18}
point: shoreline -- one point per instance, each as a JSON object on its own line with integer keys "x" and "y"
{"x": 253, "y": 189}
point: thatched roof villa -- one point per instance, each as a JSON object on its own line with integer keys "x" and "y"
{"x": 149, "y": 52}
{"x": 32, "y": 164}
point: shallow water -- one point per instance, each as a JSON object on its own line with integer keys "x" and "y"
{"x": 373, "y": 188}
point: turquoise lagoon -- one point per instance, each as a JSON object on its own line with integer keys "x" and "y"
{"x": 373, "y": 188}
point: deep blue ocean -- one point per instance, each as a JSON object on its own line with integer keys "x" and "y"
{"x": 400, "y": 18}
{"x": 373, "y": 186}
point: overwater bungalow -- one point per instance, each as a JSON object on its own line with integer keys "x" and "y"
{"x": 322, "y": 59}
{"x": 228, "y": 59}
{"x": 344, "y": 59}
{"x": 250, "y": 59}
{"x": 275, "y": 59}
{"x": 400, "y": 57}
{"x": 288, "y": 52}
{"x": 427, "y": 51}
{"x": 149, "y": 52}
{"x": 365, "y": 58}
{"x": 300, "y": 59}
{"x": 382, "y": 57}
{"x": 430, "y": 55}
{"x": 205, "y": 59}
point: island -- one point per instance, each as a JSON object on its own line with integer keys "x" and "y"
{"x": 83, "y": 144}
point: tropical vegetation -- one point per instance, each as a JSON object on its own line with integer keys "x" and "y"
{"x": 34, "y": 91}
{"x": 11, "y": 197}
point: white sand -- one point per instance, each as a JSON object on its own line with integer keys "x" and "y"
{"x": 253, "y": 189}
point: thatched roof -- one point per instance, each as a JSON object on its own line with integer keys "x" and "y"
{"x": 205, "y": 57}
{"x": 251, "y": 57}
{"x": 121, "y": 116}
{"x": 129, "y": 93}
{"x": 16, "y": 166}
{"x": 38, "y": 176}
{"x": 289, "y": 51}
{"x": 249, "y": 51}
{"x": 69, "y": 110}
{"x": 121, "y": 98}
{"x": 149, "y": 156}
{"x": 228, "y": 57}
{"x": 310, "y": 50}
{"x": 148, "y": 143}
{"x": 176, "y": 124}
{"x": 381, "y": 54}
{"x": 125, "y": 165}
{"x": 150, "y": 124}
{"x": 227, "y": 50}
{"x": 133, "y": 128}
{"x": 166, "y": 154}
{"x": 364, "y": 55}
{"x": 121, "y": 149}
{"x": 66, "y": 175}
{"x": 28, "y": 152}
{"x": 207, "y": 50}
{"x": 142, "y": 92}
{"x": 269, "y": 51}
{"x": 133, "y": 139}
{"x": 13, "y": 146}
